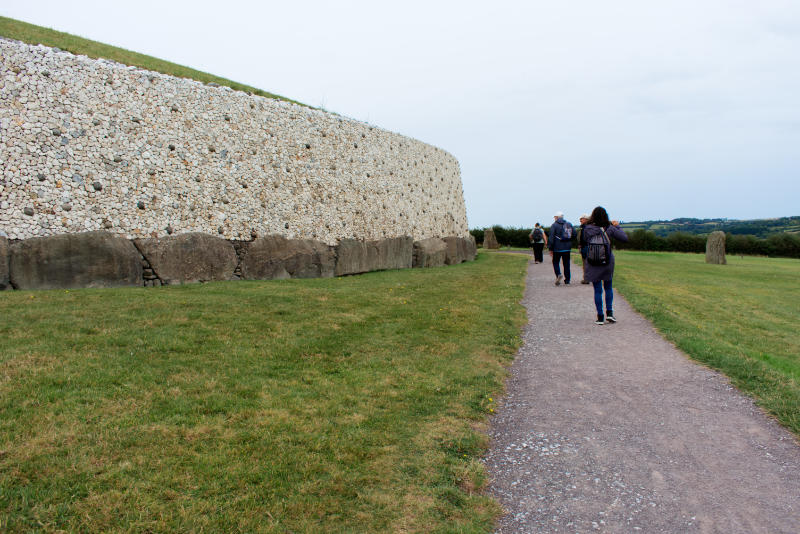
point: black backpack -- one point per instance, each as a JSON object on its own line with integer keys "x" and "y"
{"x": 537, "y": 234}
{"x": 599, "y": 249}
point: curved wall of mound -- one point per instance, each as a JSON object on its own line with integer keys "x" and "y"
{"x": 92, "y": 145}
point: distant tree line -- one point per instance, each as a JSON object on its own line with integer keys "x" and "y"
{"x": 755, "y": 227}
{"x": 785, "y": 245}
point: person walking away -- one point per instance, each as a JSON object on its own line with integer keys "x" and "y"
{"x": 539, "y": 240}
{"x": 560, "y": 245}
{"x": 599, "y": 232}
{"x": 582, "y": 246}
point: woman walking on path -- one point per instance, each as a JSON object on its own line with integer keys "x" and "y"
{"x": 539, "y": 240}
{"x": 600, "y": 260}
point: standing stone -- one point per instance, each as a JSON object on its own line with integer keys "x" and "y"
{"x": 3, "y": 262}
{"x": 187, "y": 258}
{"x": 715, "y": 248}
{"x": 489, "y": 239}
{"x": 89, "y": 259}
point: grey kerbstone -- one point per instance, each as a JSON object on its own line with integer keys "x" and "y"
{"x": 470, "y": 247}
{"x": 3, "y": 263}
{"x": 456, "y": 252}
{"x": 275, "y": 257}
{"x": 354, "y": 257}
{"x": 715, "y": 248}
{"x": 430, "y": 252}
{"x": 394, "y": 253}
{"x": 89, "y": 259}
{"x": 187, "y": 258}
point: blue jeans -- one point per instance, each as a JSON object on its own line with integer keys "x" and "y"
{"x": 564, "y": 258}
{"x": 598, "y": 296}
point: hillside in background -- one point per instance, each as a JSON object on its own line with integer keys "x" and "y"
{"x": 756, "y": 227}
{"x": 32, "y": 34}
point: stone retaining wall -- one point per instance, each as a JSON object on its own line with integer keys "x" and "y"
{"x": 103, "y": 259}
{"x": 90, "y": 145}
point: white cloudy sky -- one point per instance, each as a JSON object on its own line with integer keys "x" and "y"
{"x": 679, "y": 108}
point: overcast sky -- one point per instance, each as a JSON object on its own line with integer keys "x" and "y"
{"x": 655, "y": 110}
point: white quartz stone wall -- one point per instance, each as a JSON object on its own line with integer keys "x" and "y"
{"x": 91, "y": 145}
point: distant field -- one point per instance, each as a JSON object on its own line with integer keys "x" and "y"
{"x": 740, "y": 318}
{"x": 354, "y": 404}
{"x": 32, "y": 34}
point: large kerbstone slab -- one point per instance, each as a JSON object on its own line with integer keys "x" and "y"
{"x": 456, "y": 250}
{"x": 3, "y": 263}
{"x": 275, "y": 257}
{"x": 431, "y": 252}
{"x": 354, "y": 257}
{"x": 89, "y": 259}
{"x": 395, "y": 253}
{"x": 187, "y": 258}
{"x": 470, "y": 247}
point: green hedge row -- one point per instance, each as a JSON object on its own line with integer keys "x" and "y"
{"x": 781, "y": 245}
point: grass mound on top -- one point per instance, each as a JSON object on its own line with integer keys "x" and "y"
{"x": 32, "y": 34}
{"x": 323, "y": 405}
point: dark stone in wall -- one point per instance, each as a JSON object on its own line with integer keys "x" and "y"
{"x": 274, "y": 256}
{"x": 3, "y": 262}
{"x": 90, "y": 259}
{"x": 430, "y": 252}
{"x": 186, "y": 258}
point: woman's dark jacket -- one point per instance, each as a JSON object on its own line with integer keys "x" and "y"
{"x": 596, "y": 273}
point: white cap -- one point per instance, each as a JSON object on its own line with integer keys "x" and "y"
{"x": 558, "y": 214}
{"x": 585, "y": 216}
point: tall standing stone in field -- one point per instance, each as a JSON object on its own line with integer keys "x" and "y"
{"x": 715, "y": 248}
{"x": 489, "y": 239}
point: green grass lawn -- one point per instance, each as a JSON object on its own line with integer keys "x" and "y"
{"x": 32, "y": 34}
{"x": 740, "y": 318}
{"x": 354, "y": 404}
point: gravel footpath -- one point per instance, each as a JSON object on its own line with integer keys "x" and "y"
{"x": 612, "y": 429}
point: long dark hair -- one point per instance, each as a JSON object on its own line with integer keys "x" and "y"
{"x": 600, "y": 217}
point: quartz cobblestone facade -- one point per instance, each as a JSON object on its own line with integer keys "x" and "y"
{"x": 93, "y": 145}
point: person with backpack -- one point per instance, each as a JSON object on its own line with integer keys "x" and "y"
{"x": 560, "y": 245}
{"x": 600, "y": 260}
{"x": 539, "y": 240}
